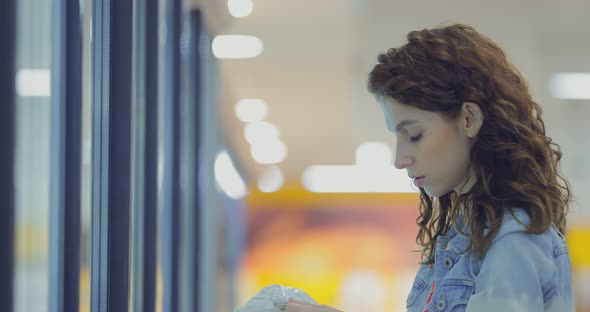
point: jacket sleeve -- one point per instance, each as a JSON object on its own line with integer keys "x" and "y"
{"x": 512, "y": 273}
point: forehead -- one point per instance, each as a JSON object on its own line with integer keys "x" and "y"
{"x": 396, "y": 112}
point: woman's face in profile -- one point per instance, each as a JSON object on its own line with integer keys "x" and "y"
{"x": 428, "y": 146}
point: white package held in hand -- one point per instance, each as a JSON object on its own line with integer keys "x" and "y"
{"x": 274, "y": 298}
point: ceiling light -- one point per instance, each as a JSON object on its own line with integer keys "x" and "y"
{"x": 271, "y": 179}
{"x": 33, "y": 82}
{"x": 227, "y": 177}
{"x": 240, "y": 8}
{"x": 261, "y": 131}
{"x": 251, "y": 110}
{"x": 331, "y": 179}
{"x": 572, "y": 86}
{"x": 269, "y": 152}
{"x": 373, "y": 154}
{"x": 356, "y": 179}
{"x": 236, "y": 46}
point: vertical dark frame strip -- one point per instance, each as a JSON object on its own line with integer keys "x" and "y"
{"x": 112, "y": 55}
{"x": 7, "y": 132}
{"x": 196, "y": 71}
{"x": 209, "y": 195}
{"x": 190, "y": 147}
{"x": 120, "y": 154}
{"x": 65, "y": 156}
{"x": 73, "y": 156}
{"x": 151, "y": 157}
{"x": 138, "y": 155}
{"x": 100, "y": 151}
{"x": 171, "y": 230}
{"x": 145, "y": 130}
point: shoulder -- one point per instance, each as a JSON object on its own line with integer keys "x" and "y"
{"x": 523, "y": 266}
{"x": 513, "y": 221}
{"x": 516, "y": 222}
{"x": 513, "y": 246}
{"x": 512, "y": 234}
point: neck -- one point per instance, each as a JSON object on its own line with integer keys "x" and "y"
{"x": 466, "y": 185}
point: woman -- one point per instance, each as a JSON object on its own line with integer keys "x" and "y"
{"x": 493, "y": 203}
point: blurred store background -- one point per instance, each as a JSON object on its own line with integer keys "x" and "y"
{"x": 292, "y": 115}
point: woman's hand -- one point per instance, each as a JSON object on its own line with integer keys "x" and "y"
{"x": 300, "y": 306}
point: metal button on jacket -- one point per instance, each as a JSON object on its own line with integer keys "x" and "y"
{"x": 448, "y": 263}
{"x": 441, "y": 305}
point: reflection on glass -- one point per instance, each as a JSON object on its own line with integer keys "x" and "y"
{"x": 32, "y": 157}
{"x": 85, "y": 222}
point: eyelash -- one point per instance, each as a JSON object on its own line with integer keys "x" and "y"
{"x": 416, "y": 138}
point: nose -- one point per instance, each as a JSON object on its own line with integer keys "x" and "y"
{"x": 402, "y": 160}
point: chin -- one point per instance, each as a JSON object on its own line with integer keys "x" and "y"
{"x": 435, "y": 193}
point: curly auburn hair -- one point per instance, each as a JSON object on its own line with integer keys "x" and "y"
{"x": 514, "y": 162}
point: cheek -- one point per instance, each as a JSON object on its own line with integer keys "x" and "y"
{"x": 441, "y": 144}
{"x": 445, "y": 156}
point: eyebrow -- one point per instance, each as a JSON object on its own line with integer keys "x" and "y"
{"x": 403, "y": 124}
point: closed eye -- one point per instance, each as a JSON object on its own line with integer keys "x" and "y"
{"x": 416, "y": 138}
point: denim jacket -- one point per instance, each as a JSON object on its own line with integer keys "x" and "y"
{"x": 519, "y": 272}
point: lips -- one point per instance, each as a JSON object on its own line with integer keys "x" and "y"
{"x": 419, "y": 181}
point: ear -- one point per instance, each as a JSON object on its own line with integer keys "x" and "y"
{"x": 471, "y": 119}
